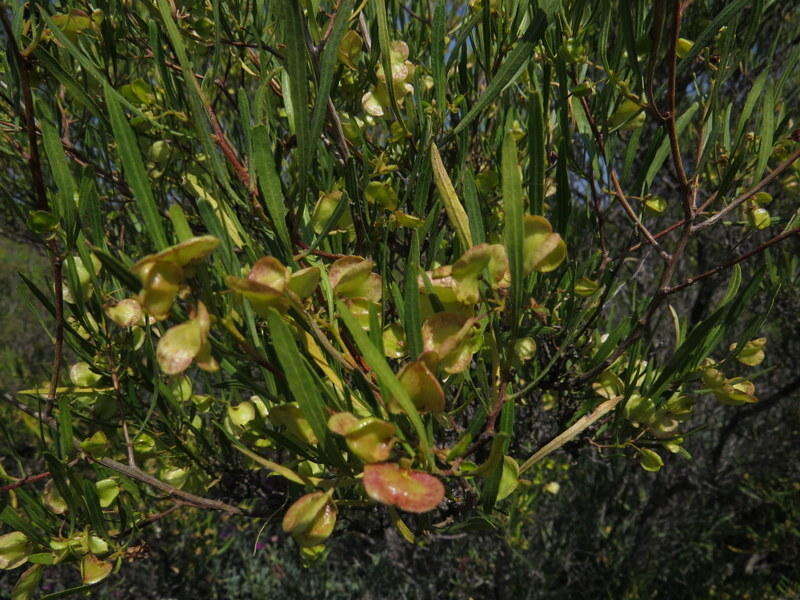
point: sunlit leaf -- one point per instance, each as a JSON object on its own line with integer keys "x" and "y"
{"x": 650, "y": 460}
{"x": 107, "y": 491}
{"x": 126, "y": 313}
{"x": 27, "y": 584}
{"x": 370, "y": 439}
{"x": 352, "y": 277}
{"x": 752, "y": 353}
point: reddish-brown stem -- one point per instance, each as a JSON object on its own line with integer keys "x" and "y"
{"x": 739, "y": 200}
{"x": 618, "y": 193}
{"x": 25, "y": 481}
{"x": 672, "y": 132}
{"x": 37, "y": 179}
{"x": 735, "y": 261}
{"x": 734, "y": 203}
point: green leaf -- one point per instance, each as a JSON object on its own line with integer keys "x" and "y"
{"x": 27, "y": 584}
{"x": 299, "y": 380}
{"x": 15, "y": 547}
{"x": 68, "y": 592}
{"x": 473, "y": 207}
{"x": 729, "y": 12}
{"x": 386, "y": 56}
{"x": 412, "y": 321}
{"x": 497, "y": 466}
{"x": 89, "y": 66}
{"x": 537, "y": 160}
{"x": 197, "y": 103}
{"x": 292, "y": 26}
{"x": 650, "y": 460}
{"x": 437, "y": 58}
{"x": 510, "y": 68}
{"x": 750, "y": 103}
{"x": 327, "y": 68}
{"x": 135, "y": 173}
{"x": 768, "y": 110}
{"x": 374, "y": 358}
{"x": 59, "y": 167}
{"x": 513, "y": 209}
{"x": 270, "y": 185}
{"x": 455, "y": 211}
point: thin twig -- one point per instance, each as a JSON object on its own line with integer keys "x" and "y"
{"x": 37, "y": 179}
{"x": 30, "y": 479}
{"x": 677, "y": 158}
{"x": 139, "y": 475}
{"x": 771, "y": 242}
{"x": 25, "y": 481}
{"x": 618, "y": 193}
{"x": 739, "y": 200}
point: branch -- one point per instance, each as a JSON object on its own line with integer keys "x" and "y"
{"x": 25, "y": 481}
{"x": 739, "y": 200}
{"x": 619, "y": 194}
{"x": 737, "y": 260}
{"x": 138, "y": 474}
{"x": 677, "y": 159}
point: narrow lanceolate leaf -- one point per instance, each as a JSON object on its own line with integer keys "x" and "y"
{"x": 197, "y": 103}
{"x": 437, "y": 58}
{"x": 730, "y": 12}
{"x": 512, "y": 204}
{"x": 455, "y": 211}
{"x": 749, "y": 104}
{"x": 298, "y": 82}
{"x": 386, "y": 60}
{"x": 270, "y": 185}
{"x": 135, "y": 173}
{"x": 86, "y": 63}
{"x": 327, "y": 67}
{"x": 412, "y": 321}
{"x": 473, "y": 207}
{"x": 299, "y": 380}
{"x": 536, "y": 153}
{"x": 515, "y": 60}
{"x": 374, "y": 358}
{"x": 768, "y": 110}
{"x": 77, "y": 91}
{"x": 59, "y": 167}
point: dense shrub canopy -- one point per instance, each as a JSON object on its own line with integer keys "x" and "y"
{"x": 361, "y": 265}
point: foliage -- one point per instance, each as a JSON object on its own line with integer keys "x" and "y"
{"x": 315, "y": 256}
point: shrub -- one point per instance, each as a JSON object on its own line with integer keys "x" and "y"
{"x": 318, "y": 258}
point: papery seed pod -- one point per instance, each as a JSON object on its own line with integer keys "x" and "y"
{"x": 650, "y": 459}
{"x": 14, "y": 550}
{"x": 370, "y": 439}
{"x": 407, "y": 489}
{"x": 543, "y": 250}
{"x": 311, "y": 519}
